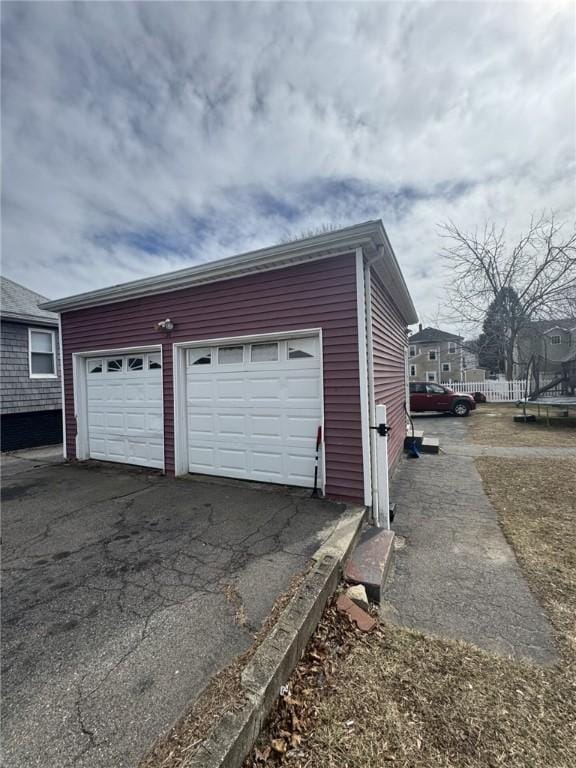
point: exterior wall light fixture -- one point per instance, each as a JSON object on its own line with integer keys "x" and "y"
{"x": 165, "y": 325}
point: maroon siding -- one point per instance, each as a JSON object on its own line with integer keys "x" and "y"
{"x": 389, "y": 341}
{"x": 319, "y": 294}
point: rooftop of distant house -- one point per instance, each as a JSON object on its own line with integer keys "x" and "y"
{"x": 425, "y": 335}
{"x": 543, "y": 326}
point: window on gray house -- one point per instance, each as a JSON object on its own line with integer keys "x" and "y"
{"x": 42, "y": 353}
{"x": 555, "y": 339}
{"x": 432, "y": 354}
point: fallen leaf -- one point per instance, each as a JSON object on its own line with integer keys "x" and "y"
{"x": 295, "y": 740}
{"x": 279, "y": 745}
{"x": 292, "y": 702}
{"x": 262, "y": 756}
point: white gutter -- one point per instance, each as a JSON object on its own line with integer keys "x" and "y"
{"x": 62, "y": 390}
{"x": 17, "y": 317}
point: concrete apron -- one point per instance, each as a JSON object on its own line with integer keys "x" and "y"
{"x": 273, "y": 662}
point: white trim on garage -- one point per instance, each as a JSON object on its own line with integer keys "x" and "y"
{"x": 371, "y": 392}
{"x": 81, "y": 393}
{"x": 181, "y": 463}
{"x": 363, "y": 376}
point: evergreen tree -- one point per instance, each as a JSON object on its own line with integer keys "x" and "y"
{"x": 503, "y": 320}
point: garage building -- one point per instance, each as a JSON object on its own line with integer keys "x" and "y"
{"x": 228, "y": 368}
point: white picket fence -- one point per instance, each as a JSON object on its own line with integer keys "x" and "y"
{"x": 495, "y": 391}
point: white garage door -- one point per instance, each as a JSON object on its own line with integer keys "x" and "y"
{"x": 125, "y": 409}
{"x": 254, "y": 410}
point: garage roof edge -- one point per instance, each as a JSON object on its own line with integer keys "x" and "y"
{"x": 368, "y": 235}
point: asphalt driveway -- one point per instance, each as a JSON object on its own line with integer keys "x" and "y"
{"x": 114, "y": 609}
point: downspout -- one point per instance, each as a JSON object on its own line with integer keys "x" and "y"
{"x": 376, "y": 517}
{"x": 62, "y": 389}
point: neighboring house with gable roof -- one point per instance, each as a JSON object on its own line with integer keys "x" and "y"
{"x": 545, "y": 346}
{"x": 30, "y": 389}
{"x": 436, "y": 355}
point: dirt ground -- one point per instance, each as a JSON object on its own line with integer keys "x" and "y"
{"x": 493, "y": 424}
{"x": 400, "y": 698}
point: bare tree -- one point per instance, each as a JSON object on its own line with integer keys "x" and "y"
{"x": 533, "y": 279}
{"x": 321, "y": 229}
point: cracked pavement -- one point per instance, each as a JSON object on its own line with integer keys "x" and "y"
{"x": 455, "y": 575}
{"x": 114, "y": 609}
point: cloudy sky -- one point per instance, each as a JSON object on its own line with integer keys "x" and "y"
{"x": 145, "y": 136}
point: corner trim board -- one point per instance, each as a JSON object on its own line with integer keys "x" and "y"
{"x": 371, "y": 397}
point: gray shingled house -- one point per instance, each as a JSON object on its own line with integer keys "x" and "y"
{"x": 546, "y": 345}
{"x": 30, "y": 390}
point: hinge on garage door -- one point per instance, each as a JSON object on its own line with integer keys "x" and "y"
{"x": 382, "y": 429}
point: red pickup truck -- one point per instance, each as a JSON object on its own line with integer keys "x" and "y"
{"x": 426, "y": 396}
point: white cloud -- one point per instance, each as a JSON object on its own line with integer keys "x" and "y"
{"x": 140, "y": 137}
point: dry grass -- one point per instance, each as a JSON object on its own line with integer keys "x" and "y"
{"x": 224, "y": 692}
{"x": 536, "y": 504}
{"x": 404, "y": 699}
{"x": 421, "y": 702}
{"x": 493, "y": 424}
